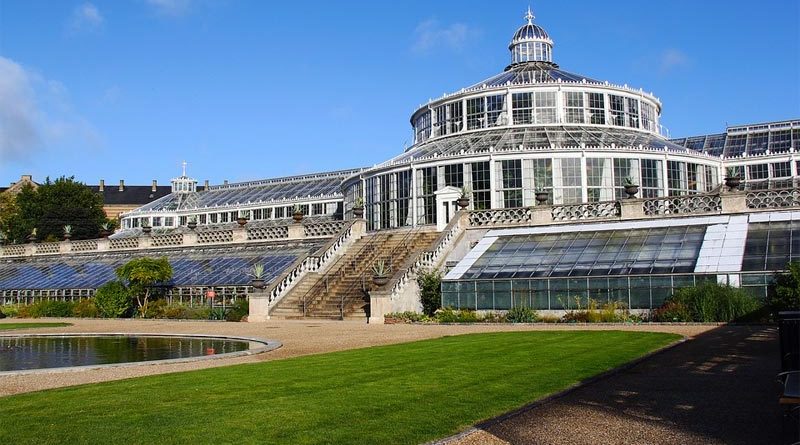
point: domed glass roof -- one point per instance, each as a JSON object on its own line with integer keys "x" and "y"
{"x": 530, "y": 31}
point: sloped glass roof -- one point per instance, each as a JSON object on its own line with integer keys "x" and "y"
{"x": 532, "y": 72}
{"x": 290, "y": 188}
{"x": 509, "y": 139}
{"x": 619, "y": 252}
{"x": 206, "y": 267}
{"x": 771, "y": 245}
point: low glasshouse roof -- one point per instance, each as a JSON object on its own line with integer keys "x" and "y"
{"x": 201, "y": 266}
{"x": 510, "y": 139}
{"x": 268, "y": 190}
{"x": 750, "y": 140}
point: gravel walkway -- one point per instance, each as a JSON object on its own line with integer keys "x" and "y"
{"x": 718, "y": 388}
{"x": 298, "y": 338}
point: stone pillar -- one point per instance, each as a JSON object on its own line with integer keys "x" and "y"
{"x": 103, "y": 244}
{"x": 190, "y": 238}
{"x": 542, "y": 215}
{"x": 631, "y": 209}
{"x": 65, "y": 246}
{"x": 259, "y": 307}
{"x": 733, "y": 202}
{"x": 240, "y": 234}
{"x": 380, "y": 304}
{"x": 145, "y": 241}
{"x": 359, "y": 228}
{"x": 297, "y": 231}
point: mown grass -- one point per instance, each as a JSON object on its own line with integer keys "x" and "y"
{"x": 406, "y": 393}
{"x": 10, "y": 326}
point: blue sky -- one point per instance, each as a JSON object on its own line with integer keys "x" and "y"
{"x": 254, "y": 89}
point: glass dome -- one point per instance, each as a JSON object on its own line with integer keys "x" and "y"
{"x": 531, "y": 43}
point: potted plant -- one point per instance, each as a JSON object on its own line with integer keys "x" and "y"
{"x": 32, "y": 237}
{"x": 192, "y": 222}
{"x": 541, "y": 195}
{"x": 244, "y": 215}
{"x": 105, "y": 229}
{"x": 732, "y": 178}
{"x": 146, "y": 228}
{"x": 67, "y": 232}
{"x": 297, "y": 214}
{"x": 631, "y": 187}
{"x": 358, "y": 208}
{"x": 463, "y": 200}
{"x": 257, "y": 275}
{"x": 380, "y": 273}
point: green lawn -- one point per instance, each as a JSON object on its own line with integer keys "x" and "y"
{"x": 9, "y": 326}
{"x": 407, "y": 393}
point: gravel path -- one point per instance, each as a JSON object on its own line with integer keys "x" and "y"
{"x": 718, "y": 388}
{"x": 298, "y": 337}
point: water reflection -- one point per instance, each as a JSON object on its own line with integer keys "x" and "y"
{"x": 21, "y": 353}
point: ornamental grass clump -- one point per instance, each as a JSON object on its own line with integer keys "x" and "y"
{"x": 522, "y": 315}
{"x": 708, "y": 302}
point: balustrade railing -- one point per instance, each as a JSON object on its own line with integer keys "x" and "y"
{"x": 681, "y": 205}
{"x": 577, "y": 212}
{"x": 773, "y": 199}
{"x": 521, "y": 215}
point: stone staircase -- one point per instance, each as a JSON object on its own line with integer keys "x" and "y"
{"x": 342, "y": 292}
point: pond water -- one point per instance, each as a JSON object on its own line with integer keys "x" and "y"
{"x": 39, "y": 352}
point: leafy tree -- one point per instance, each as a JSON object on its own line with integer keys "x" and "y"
{"x": 54, "y": 205}
{"x": 430, "y": 291}
{"x": 113, "y": 299}
{"x": 8, "y": 208}
{"x": 785, "y": 294}
{"x": 141, "y": 274}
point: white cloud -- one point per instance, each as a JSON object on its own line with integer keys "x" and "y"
{"x": 35, "y": 114}
{"x": 18, "y": 112}
{"x": 430, "y": 35}
{"x": 86, "y": 17}
{"x": 173, "y": 8}
{"x": 672, "y": 59}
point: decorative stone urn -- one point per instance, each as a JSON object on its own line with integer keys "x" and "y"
{"x": 733, "y": 182}
{"x": 631, "y": 190}
{"x": 462, "y": 202}
{"x": 541, "y": 197}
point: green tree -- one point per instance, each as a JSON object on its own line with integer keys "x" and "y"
{"x": 8, "y": 209}
{"x": 113, "y": 299}
{"x": 54, "y": 205}
{"x": 785, "y": 294}
{"x": 430, "y": 291}
{"x": 141, "y": 274}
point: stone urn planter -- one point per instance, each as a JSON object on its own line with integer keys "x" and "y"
{"x": 241, "y": 220}
{"x": 191, "y": 225}
{"x": 631, "y": 190}
{"x": 104, "y": 233}
{"x": 733, "y": 182}
{"x": 358, "y": 212}
{"x": 258, "y": 283}
{"x": 462, "y": 202}
{"x": 541, "y": 197}
{"x": 67, "y": 236}
{"x": 147, "y": 229}
{"x": 380, "y": 280}
{"x": 297, "y": 216}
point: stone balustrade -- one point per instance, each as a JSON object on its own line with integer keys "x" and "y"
{"x": 629, "y": 209}
{"x": 236, "y": 235}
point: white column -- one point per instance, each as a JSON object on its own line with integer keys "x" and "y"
{"x": 413, "y": 196}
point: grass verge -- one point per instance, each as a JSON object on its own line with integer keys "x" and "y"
{"x": 10, "y": 326}
{"x": 405, "y": 393}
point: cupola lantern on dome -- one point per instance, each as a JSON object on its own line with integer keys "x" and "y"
{"x": 531, "y": 43}
{"x": 184, "y": 184}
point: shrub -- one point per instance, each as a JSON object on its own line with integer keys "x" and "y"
{"x": 785, "y": 293}
{"x": 430, "y": 291}
{"x": 549, "y": 318}
{"x": 449, "y": 315}
{"x": 611, "y": 312}
{"x": 85, "y": 308}
{"x": 408, "y": 317}
{"x": 153, "y": 309}
{"x": 493, "y": 317}
{"x": 710, "y": 302}
{"x": 10, "y": 311}
{"x": 522, "y": 315}
{"x": 113, "y": 300}
{"x": 2, "y": 315}
{"x": 672, "y": 311}
{"x": 241, "y": 308}
{"x": 46, "y": 308}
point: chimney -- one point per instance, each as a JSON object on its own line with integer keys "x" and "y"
{"x": 122, "y": 185}
{"x": 102, "y": 186}
{"x": 155, "y": 186}
{"x": 26, "y": 178}
{"x": 225, "y": 182}
{"x": 206, "y": 185}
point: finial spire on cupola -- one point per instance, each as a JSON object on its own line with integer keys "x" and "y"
{"x": 529, "y": 16}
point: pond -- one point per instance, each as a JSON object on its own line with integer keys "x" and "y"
{"x": 28, "y": 352}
